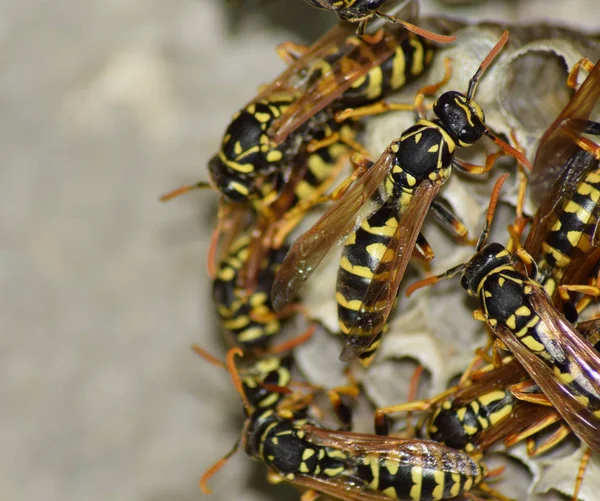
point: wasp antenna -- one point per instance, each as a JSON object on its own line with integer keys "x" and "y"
{"x": 215, "y": 468}
{"x": 235, "y": 376}
{"x": 201, "y": 352}
{"x": 416, "y": 29}
{"x": 435, "y": 279}
{"x": 489, "y": 217}
{"x": 513, "y": 152}
{"x": 202, "y": 185}
{"x": 483, "y": 66}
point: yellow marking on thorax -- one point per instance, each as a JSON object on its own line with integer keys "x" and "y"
{"x": 250, "y": 335}
{"x": 511, "y": 322}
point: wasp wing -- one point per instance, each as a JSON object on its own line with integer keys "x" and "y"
{"x": 328, "y": 232}
{"x": 584, "y": 363}
{"x": 346, "y": 487}
{"x": 557, "y": 145}
{"x": 381, "y": 293}
{"x": 333, "y": 73}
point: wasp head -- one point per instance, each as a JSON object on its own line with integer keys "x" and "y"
{"x": 481, "y": 264}
{"x": 463, "y": 119}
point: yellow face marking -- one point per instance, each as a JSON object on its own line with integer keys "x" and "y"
{"x": 416, "y": 474}
{"x": 240, "y": 188}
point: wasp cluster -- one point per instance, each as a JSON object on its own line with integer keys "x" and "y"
{"x": 354, "y": 146}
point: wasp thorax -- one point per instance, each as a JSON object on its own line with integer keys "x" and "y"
{"x": 481, "y": 264}
{"x": 463, "y": 120}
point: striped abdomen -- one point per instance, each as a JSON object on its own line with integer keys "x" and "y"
{"x": 460, "y": 425}
{"x": 361, "y": 257}
{"x": 429, "y": 474}
{"x": 409, "y": 59}
{"x": 573, "y": 230}
{"x": 504, "y": 295}
{"x": 235, "y": 306}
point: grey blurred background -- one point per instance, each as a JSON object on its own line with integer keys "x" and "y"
{"x": 103, "y": 107}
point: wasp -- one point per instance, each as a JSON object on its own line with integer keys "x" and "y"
{"x": 563, "y": 364}
{"x": 362, "y": 11}
{"x": 349, "y": 466}
{"x": 338, "y": 71}
{"x": 396, "y": 193}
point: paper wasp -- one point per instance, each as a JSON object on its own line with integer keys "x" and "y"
{"x": 338, "y": 71}
{"x": 397, "y": 192}
{"x": 345, "y": 465}
{"x": 362, "y": 11}
{"x": 564, "y": 365}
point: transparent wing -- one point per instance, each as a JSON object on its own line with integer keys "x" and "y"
{"x": 582, "y": 358}
{"x": 557, "y": 145}
{"x": 333, "y": 72}
{"x": 328, "y": 232}
{"x": 381, "y": 294}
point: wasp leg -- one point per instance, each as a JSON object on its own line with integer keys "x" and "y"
{"x": 522, "y": 391}
{"x": 574, "y": 73}
{"x": 429, "y": 90}
{"x": 446, "y": 216}
{"x": 423, "y": 248}
{"x": 289, "y": 52}
{"x": 310, "y": 495}
{"x": 490, "y": 160}
{"x": 585, "y": 459}
{"x": 342, "y": 410}
{"x": 558, "y": 436}
{"x": 376, "y": 108}
{"x": 532, "y": 429}
{"x": 381, "y": 424}
{"x": 494, "y": 494}
{"x": 333, "y": 138}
